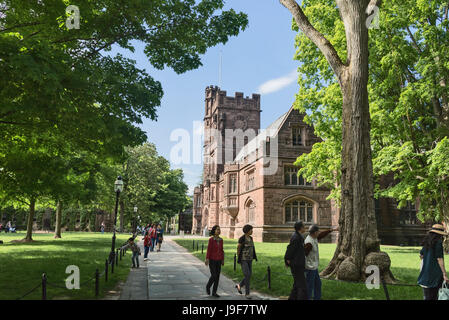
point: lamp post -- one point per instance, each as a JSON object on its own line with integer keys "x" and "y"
{"x": 135, "y": 221}
{"x": 118, "y": 187}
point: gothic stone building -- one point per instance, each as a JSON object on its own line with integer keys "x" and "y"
{"x": 237, "y": 189}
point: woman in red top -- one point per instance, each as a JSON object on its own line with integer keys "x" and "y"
{"x": 215, "y": 259}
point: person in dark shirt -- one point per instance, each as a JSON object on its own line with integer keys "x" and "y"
{"x": 433, "y": 271}
{"x": 214, "y": 259}
{"x": 295, "y": 259}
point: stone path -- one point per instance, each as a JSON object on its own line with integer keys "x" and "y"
{"x": 175, "y": 274}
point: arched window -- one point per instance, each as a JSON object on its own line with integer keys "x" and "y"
{"x": 251, "y": 211}
{"x": 298, "y": 209}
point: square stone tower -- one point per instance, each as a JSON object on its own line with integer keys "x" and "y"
{"x": 222, "y": 113}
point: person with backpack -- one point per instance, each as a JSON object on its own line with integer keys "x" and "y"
{"x": 214, "y": 259}
{"x": 246, "y": 253}
{"x": 135, "y": 250}
{"x": 313, "y": 261}
{"x": 295, "y": 259}
{"x": 433, "y": 272}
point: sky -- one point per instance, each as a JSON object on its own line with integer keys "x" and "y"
{"x": 258, "y": 60}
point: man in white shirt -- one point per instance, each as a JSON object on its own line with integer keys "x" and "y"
{"x": 313, "y": 261}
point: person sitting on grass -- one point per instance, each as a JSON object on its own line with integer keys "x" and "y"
{"x": 135, "y": 250}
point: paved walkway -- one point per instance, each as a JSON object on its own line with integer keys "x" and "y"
{"x": 175, "y": 274}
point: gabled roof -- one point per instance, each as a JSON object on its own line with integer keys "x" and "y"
{"x": 271, "y": 131}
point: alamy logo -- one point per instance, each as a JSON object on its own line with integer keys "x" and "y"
{"x": 373, "y": 280}
{"x": 72, "y": 281}
{"x": 372, "y": 22}
{"x": 73, "y": 21}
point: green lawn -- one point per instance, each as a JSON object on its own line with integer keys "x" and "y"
{"x": 22, "y": 264}
{"x": 405, "y": 267}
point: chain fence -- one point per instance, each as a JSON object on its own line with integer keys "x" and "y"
{"x": 110, "y": 263}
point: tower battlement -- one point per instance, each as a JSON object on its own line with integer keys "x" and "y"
{"x": 218, "y": 98}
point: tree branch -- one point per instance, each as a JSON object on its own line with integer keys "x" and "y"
{"x": 315, "y": 36}
{"x": 22, "y": 25}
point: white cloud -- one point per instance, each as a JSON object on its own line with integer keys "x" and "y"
{"x": 278, "y": 83}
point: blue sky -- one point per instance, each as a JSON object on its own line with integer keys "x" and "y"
{"x": 259, "y": 60}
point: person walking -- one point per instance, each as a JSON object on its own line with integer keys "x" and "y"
{"x": 102, "y": 227}
{"x": 313, "y": 261}
{"x": 214, "y": 259}
{"x": 295, "y": 259}
{"x": 246, "y": 253}
{"x": 135, "y": 250}
{"x": 159, "y": 237}
{"x": 146, "y": 245}
{"x": 153, "y": 237}
{"x": 433, "y": 272}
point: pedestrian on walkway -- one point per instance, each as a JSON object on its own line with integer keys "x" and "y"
{"x": 146, "y": 245}
{"x": 295, "y": 259}
{"x": 313, "y": 261}
{"x": 102, "y": 227}
{"x": 246, "y": 253}
{"x": 159, "y": 237}
{"x": 433, "y": 272}
{"x": 135, "y": 252}
{"x": 153, "y": 234}
{"x": 214, "y": 259}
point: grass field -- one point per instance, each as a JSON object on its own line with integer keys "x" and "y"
{"x": 22, "y": 264}
{"x": 405, "y": 267}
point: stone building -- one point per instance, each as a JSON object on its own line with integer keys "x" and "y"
{"x": 249, "y": 176}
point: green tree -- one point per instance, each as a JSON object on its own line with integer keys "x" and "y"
{"x": 335, "y": 36}
{"x": 60, "y": 94}
{"x": 408, "y": 103}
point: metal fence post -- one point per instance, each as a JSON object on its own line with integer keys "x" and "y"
{"x": 44, "y": 286}
{"x": 235, "y": 260}
{"x": 197, "y": 246}
{"x": 202, "y": 248}
{"x": 387, "y": 296}
{"x": 269, "y": 277}
{"x": 97, "y": 282}
{"x": 106, "y": 267}
{"x": 116, "y": 257}
{"x": 112, "y": 265}
{"x": 193, "y": 245}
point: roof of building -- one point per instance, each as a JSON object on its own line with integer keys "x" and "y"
{"x": 271, "y": 131}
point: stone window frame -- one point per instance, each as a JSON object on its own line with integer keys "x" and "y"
{"x": 250, "y": 217}
{"x": 297, "y": 134}
{"x": 410, "y": 213}
{"x": 232, "y": 190}
{"x": 293, "y": 174}
{"x": 250, "y": 179}
{"x": 309, "y": 203}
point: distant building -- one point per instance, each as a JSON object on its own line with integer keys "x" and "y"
{"x": 185, "y": 220}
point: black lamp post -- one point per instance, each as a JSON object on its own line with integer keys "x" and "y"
{"x": 135, "y": 221}
{"x": 118, "y": 187}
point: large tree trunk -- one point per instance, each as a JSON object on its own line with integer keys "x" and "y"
{"x": 30, "y": 221}
{"x": 58, "y": 220}
{"x": 358, "y": 244}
